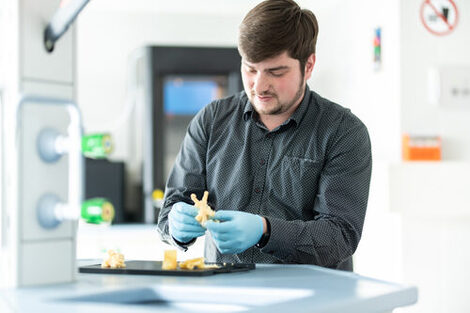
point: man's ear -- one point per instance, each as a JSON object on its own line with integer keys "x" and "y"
{"x": 309, "y": 65}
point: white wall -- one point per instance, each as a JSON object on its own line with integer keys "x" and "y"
{"x": 434, "y": 217}
{"x": 106, "y": 40}
{"x": 420, "y": 51}
{"x": 345, "y": 69}
{"x": 345, "y": 73}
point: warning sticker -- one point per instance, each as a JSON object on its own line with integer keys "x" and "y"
{"x": 439, "y": 17}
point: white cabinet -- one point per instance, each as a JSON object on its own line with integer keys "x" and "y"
{"x": 433, "y": 201}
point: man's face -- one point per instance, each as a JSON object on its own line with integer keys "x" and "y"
{"x": 276, "y": 85}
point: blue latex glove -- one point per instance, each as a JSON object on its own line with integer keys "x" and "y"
{"x": 236, "y": 232}
{"x": 182, "y": 223}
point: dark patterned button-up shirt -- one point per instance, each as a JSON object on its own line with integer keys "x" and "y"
{"x": 309, "y": 177}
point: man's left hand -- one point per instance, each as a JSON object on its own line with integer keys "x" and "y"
{"x": 236, "y": 232}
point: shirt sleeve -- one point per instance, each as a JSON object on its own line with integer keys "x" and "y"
{"x": 340, "y": 204}
{"x": 188, "y": 174}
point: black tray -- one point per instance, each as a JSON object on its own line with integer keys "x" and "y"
{"x": 155, "y": 268}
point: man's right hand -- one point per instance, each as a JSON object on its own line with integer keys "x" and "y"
{"x": 182, "y": 223}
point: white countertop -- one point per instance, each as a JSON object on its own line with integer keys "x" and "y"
{"x": 268, "y": 288}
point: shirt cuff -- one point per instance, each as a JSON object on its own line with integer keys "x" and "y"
{"x": 282, "y": 241}
{"x": 265, "y": 237}
{"x": 180, "y": 245}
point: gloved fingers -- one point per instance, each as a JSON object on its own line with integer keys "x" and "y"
{"x": 189, "y": 234}
{"x": 186, "y": 227}
{"x": 222, "y": 227}
{"x": 219, "y": 237}
{"x": 184, "y": 236}
{"x": 182, "y": 226}
{"x": 229, "y": 248}
{"x": 225, "y": 215}
{"x": 183, "y": 218}
{"x": 185, "y": 209}
{"x": 226, "y": 244}
{"x": 219, "y": 245}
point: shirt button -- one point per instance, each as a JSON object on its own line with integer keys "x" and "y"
{"x": 257, "y": 190}
{"x": 262, "y": 161}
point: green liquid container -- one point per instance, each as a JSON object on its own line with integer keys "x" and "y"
{"x": 97, "y": 146}
{"x": 97, "y": 211}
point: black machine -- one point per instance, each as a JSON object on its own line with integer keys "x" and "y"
{"x": 105, "y": 179}
{"x": 178, "y": 82}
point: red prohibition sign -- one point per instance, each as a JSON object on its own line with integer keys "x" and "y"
{"x": 445, "y": 24}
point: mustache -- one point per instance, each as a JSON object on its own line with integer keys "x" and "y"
{"x": 263, "y": 94}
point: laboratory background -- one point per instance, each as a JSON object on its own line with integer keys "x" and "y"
{"x": 97, "y": 121}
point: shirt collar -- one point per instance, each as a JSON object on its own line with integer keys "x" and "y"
{"x": 301, "y": 109}
{"x": 248, "y": 110}
{"x": 296, "y": 116}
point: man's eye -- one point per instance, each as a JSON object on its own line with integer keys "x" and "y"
{"x": 277, "y": 74}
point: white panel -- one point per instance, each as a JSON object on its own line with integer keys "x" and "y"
{"x": 37, "y": 88}
{"x": 37, "y": 62}
{"x": 47, "y": 262}
{"x": 434, "y": 204}
{"x": 454, "y": 87}
{"x": 2, "y": 214}
{"x": 430, "y": 188}
{"x": 38, "y": 177}
{"x": 455, "y": 273}
{"x": 436, "y": 258}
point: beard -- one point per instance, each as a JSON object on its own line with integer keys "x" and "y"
{"x": 278, "y": 107}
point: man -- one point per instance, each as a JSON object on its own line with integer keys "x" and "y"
{"x": 287, "y": 171}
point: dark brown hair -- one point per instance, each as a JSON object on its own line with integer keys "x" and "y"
{"x": 275, "y": 26}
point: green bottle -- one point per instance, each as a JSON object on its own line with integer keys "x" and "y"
{"x": 97, "y": 211}
{"x": 97, "y": 146}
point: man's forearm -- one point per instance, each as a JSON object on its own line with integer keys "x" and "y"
{"x": 321, "y": 242}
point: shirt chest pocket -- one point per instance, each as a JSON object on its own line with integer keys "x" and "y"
{"x": 295, "y": 182}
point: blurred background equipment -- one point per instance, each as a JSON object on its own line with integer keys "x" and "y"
{"x": 449, "y": 87}
{"x": 157, "y": 197}
{"x": 49, "y": 191}
{"x": 97, "y": 146}
{"x": 97, "y": 211}
{"x": 176, "y": 82}
{"x": 105, "y": 179}
{"x": 42, "y": 162}
{"x": 421, "y": 148}
{"x": 377, "y": 48}
{"x": 61, "y": 21}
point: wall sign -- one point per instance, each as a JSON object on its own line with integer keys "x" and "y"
{"x": 439, "y": 17}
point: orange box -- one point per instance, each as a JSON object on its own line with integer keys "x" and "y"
{"x": 421, "y": 148}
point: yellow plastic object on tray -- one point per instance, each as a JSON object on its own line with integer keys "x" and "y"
{"x": 169, "y": 260}
{"x": 114, "y": 260}
{"x": 192, "y": 264}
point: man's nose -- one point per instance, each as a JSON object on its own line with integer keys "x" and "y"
{"x": 260, "y": 84}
